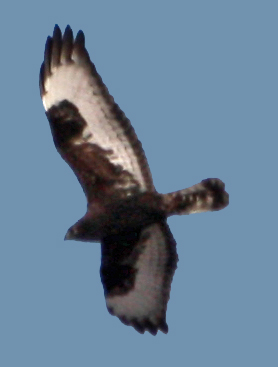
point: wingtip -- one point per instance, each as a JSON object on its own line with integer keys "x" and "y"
{"x": 56, "y": 29}
{"x": 80, "y": 38}
{"x": 143, "y": 325}
{"x": 68, "y": 28}
{"x": 149, "y": 326}
{"x": 57, "y": 34}
{"x": 68, "y": 34}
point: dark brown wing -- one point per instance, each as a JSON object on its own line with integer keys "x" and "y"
{"x": 89, "y": 130}
{"x": 137, "y": 269}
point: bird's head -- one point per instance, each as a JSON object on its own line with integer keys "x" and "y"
{"x": 84, "y": 230}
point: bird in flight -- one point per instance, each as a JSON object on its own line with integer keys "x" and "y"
{"x": 125, "y": 213}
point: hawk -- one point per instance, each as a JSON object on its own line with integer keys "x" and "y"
{"x": 125, "y": 213}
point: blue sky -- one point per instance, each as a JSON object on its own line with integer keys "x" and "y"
{"x": 198, "y": 80}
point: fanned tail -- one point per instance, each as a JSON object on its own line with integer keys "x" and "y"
{"x": 208, "y": 195}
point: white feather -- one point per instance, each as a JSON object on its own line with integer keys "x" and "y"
{"x": 72, "y": 82}
{"x": 145, "y": 300}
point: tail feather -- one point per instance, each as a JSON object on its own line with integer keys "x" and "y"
{"x": 208, "y": 195}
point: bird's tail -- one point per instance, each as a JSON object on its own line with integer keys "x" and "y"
{"x": 208, "y": 195}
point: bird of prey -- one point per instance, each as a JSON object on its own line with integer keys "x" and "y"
{"x": 125, "y": 213}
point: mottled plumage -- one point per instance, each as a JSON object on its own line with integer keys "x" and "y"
{"x": 125, "y": 213}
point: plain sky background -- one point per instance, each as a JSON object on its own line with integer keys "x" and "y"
{"x": 198, "y": 80}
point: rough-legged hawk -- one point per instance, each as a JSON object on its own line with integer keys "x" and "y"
{"x": 125, "y": 212}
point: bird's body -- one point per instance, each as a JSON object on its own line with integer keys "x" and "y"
{"x": 125, "y": 213}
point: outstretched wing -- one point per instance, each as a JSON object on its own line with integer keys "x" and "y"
{"x": 137, "y": 269}
{"x": 89, "y": 130}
